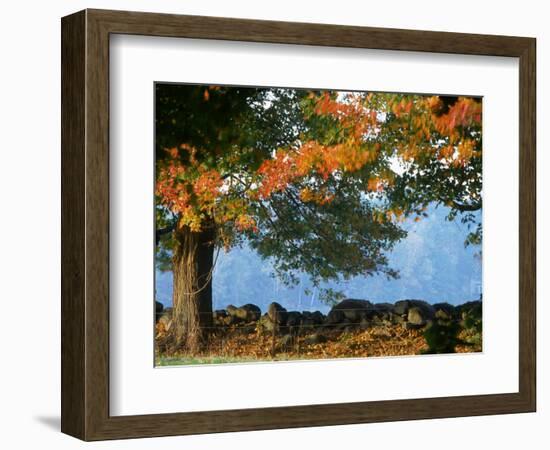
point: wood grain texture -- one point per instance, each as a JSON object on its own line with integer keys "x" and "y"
{"x": 527, "y": 224}
{"x": 266, "y": 31}
{"x": 85, "y": 224}
{"x": 97, "y": 225}
{"x": 73, "y": 111}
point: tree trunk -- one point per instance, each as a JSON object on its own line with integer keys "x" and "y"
{"x": 192, "y": 293}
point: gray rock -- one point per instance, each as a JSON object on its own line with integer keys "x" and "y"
{"x": 159, "y": 307}
{"x": 312, "y": 320}
{"x": 265, "y": 324}
{"x": 351, "y": 309}
{"x": 335, "y": 316}
{"x": 241, "y": 314}
{"x": 416, "y": 316}
{"x": 342, "y": 325}
{"x": 219, "y": 314}
{"x": 365, "y": 324}
{"x": 248, "y": 312}
{"x": 228, "y": 320}
{"x": 231, "y": 310}
{"x": 471, "y": 314}
{"x": 293, "y": 319}
{"x": 165, "y": 316}
{"x": 166, "y": 320}
{"x": 444, "y": 311}
{"x": 402, "y": 308}
{"x": 381, "y": 312}
{"x": 398, "y": 319}
{"x": 277, "y": 313}
{"x": 307, "y": 318}
{"x": 318, "y": 317}
{"x": 473, "y": 308}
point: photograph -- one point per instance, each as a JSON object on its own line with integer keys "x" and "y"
{"x": 275, "y": 225}
{"x": 300, "y": 224}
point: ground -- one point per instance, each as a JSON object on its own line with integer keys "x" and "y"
{"x": 250, "y": 344}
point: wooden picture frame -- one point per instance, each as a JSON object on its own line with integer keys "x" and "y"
{"x": 85, "y": 224}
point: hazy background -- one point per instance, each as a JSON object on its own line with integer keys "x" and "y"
{"x": 433, "y": 263}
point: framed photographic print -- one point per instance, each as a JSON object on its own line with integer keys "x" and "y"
{"x": 270, "y": 224}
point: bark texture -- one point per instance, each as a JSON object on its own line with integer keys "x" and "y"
{"x": 192, "y": 293}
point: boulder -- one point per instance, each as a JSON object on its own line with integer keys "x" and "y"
{"x": 219, "y": 314}
{"x": 402, "y": 308}
{"x": 335, "y": 316}
{"x": 228, "y": 320}
{"x": 293, "y": 319}
{"x": 166, "y": 317}
{"x": 444, "y": 311}
{"x": 166, "y": 321}
{"x": 245, "y": 313}
{"x": 345, "y": 323}
{"x": 277, "y": 313}
{"x": 473, "y": 308}
{"x": 318, "y": 317}
{"x": 159, "y": 307}
{"x": 307, "y": 315}
{"x": 382, "y": 311}
{"x": 311, "y": 320}
{"x": 231, "y": 310}
{"x": 265, "y": 324}
{"x": 351, "y": 309}
{"x": 398, "y": 319}
{"x": 248, "y": 312}
{"x": 416, "y": 316}
{"x": 471, "y": 314}
{"x": 240, "y": 314}
{"x": 365, "y": 324}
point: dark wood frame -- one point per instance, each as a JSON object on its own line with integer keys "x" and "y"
{"x": 85, "y": 224}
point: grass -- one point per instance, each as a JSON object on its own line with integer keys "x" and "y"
{"x": 189, "y": 361}
{"x": 165, "y": 361}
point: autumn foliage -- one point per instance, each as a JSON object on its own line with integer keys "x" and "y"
{"x": 381, "y": 138}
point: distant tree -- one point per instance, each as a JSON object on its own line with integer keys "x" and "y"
{"x": 317, "y": 181}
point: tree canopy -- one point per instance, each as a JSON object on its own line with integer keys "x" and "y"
{"x": 319, "y": 181}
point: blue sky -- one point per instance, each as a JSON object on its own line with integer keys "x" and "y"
{"x": 433, "y": 263}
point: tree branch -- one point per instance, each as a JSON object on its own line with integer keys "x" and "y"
{"x": 466, "y": 208}
{"x": 159, "y": 232}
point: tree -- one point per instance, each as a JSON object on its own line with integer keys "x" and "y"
{"x": 207, "y": 138}
{"x": 318, "y": 181}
